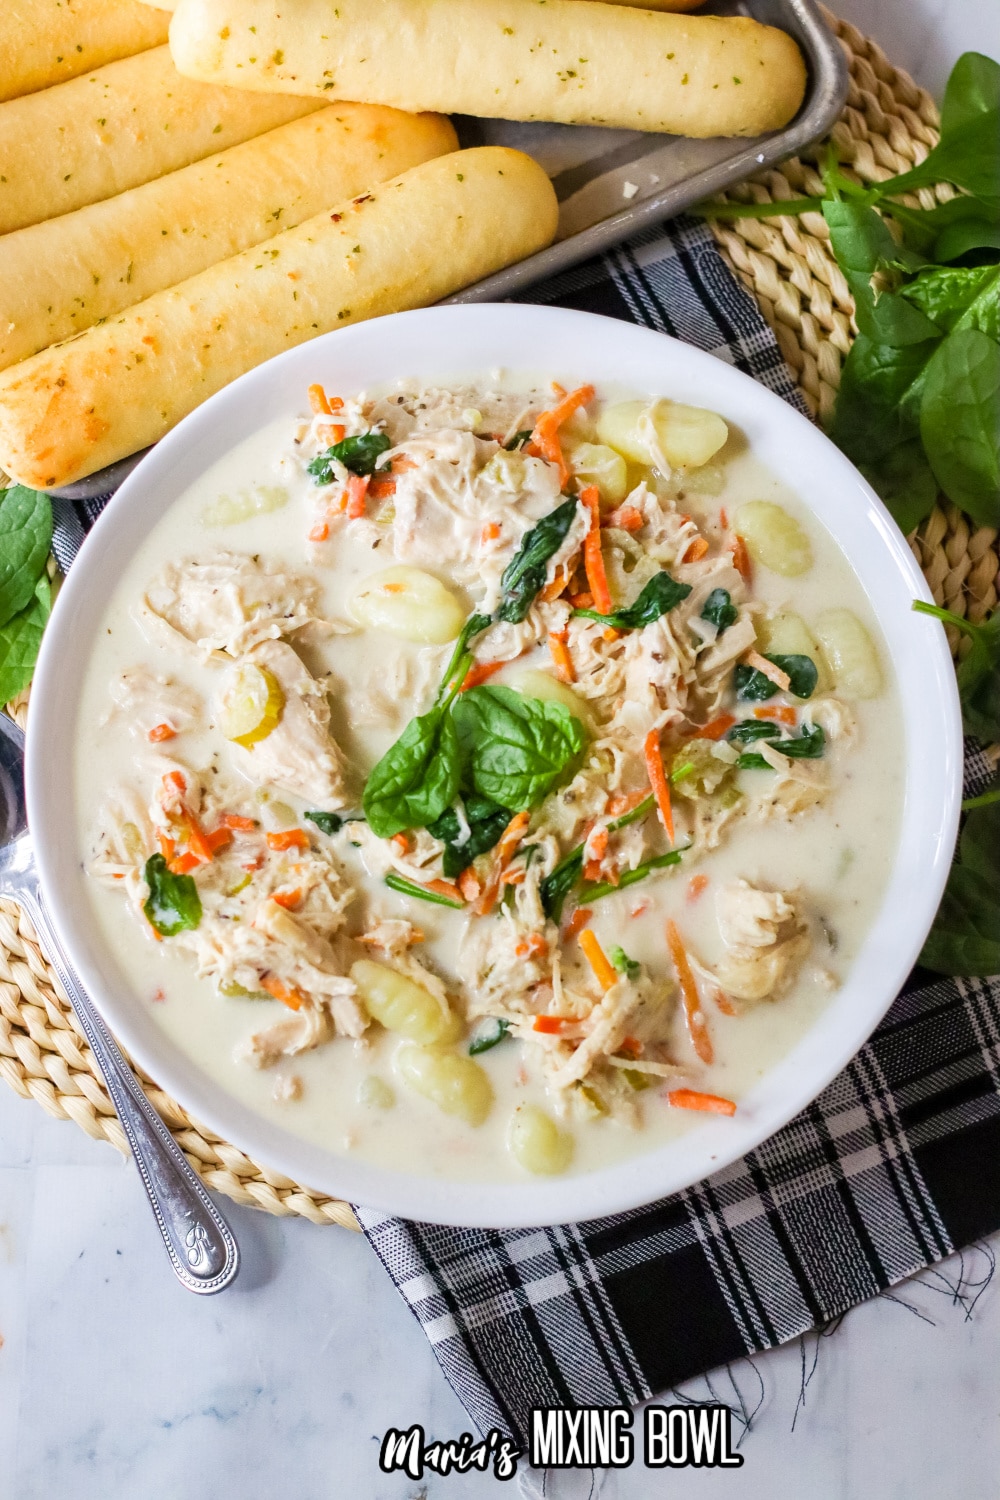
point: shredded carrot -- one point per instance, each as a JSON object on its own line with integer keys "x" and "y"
{"x": 593, "y": 559}
{"x": 552, "y": 1025}
{"x": 162, "y": 732}
{"x": 545, "y": 437}
{"x": 288, "y": 838}
{"x": 288, "y": 899}
{"x": 394, "y": 588}
{"x": 167, "y": 846}
{"x": 592, "y": 871}
{"x": 724, "y": 1003}
{"x": 604, "y": 971}
{"x": 597, "y": 844}
{"x": 741, "y": 558}
{"x": 468, "y": 884}
{"x": 577, "y": 922}
{"x": 529, "y": 947}
{"x": 402, "y": 465}
{"x": 382, "y": 486}
{"x": 623, "y": 802}
{"x": 253, "y": 864}
{"x": 331, "y": 433}
{"x": 318, "y": 402}
{"x": 723, "y": 518}
{"x": 581, "y": 601}
{"x": 769, "y": 670}
{"x": 489, "y": 533}
{"x": 509, "y": 840}
{"x": 707, "y": 1103}
{"x": 780, "y": 713}
{"x": 444, "y": 888}
{"x": 696, "y": 885}
{"x": 610, "y": 634}
{"x": 357, "y": 490}
{"x": 320, "y": 532}
{"x": 244, "y": 825}
{"x": 219, "y": 838}
{"x": 697, "y": 550}
{"x": 282, "y": 992}
{"x": 554, "y": 589}
{"x": 561, "y": 659}
{"x": 641, "y": 907}
{"x": 513, "y": 876}
{"x": 694, "y": 1015}
{"x": 402, "y": 841}
{"x": 480, "y": 671}
{"x": 630, "y": 1047}
{"x": 183, "y": 863}
{"x": 625, "y": 518}
{"x": 658, "y": 781}
{"x": 197, "y": 840}
{"x": 175, "y": 780}
{"x": 715, "y": 728}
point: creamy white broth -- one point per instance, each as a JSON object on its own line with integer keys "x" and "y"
{"x": 837, "y": 856}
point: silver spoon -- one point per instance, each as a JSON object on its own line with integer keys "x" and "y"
{"x": 199, "y": 1242}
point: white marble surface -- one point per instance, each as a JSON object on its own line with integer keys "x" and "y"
{"x": 116, "y": 1385}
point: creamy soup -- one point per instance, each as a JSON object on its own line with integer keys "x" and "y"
{"x": 490, "y": 781}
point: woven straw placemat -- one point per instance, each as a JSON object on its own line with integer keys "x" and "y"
{"x": 887, "y": 125}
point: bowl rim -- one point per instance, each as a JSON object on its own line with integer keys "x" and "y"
{"x": 452, "y": 338}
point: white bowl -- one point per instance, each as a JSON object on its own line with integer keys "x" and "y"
{"x": 440, "y": 344}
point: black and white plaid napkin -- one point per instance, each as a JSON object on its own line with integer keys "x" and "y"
{"x": 893, "y": 1167}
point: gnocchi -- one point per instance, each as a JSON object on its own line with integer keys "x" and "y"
{"x": 774, "y": 538}
{"x": 596, "y": 463}
{"x": 229, "y": 510}
{"x": 787, "y": 634}
{"x": 537, "y": 1142}
{"x": 666, "y": 433}
{"x": 534, "y": 683}
{"x": 409, "y": 603}
{"x": 400, "y": 1004}
{"x": 849, "y": 654}
{"x": 456, "y": 1084}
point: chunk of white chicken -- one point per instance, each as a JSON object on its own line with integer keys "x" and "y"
{"x": 228, "y": 602}
{"x": 149, "y": 700}
{"x": 766, "y": 939}
{"x": 299, "y": 1032}
{"x": 299, "y": 755}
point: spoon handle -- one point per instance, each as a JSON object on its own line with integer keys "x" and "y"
{"x": 199, "y": 1242}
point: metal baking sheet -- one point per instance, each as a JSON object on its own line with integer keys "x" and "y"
{"x": 612, "y": 183}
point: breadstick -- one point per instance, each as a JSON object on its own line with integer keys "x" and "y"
{"x": 69, "y": 273}
{"x": 47, "y": 41}
{"x": 576, "y": 61}
{"x": 123, "y": 124}
{"x": 413, "y": 240}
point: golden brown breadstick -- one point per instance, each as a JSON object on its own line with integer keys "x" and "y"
{"x": 69, "y": 273}
{"x": 577, "y": 61}
{"x": 47, "y": 41}
{"x": 123, "y": 124}
{"x": 409, "y": 242}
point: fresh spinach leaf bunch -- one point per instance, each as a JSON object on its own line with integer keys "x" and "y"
{"x": 25, "y": 591}
{"x": 918, "y": 407}
{"x": 965, "y": 938}
{"x": 978, "y": 674}
{"x": 359, "y": 454}
{"x": 658, "y": 597}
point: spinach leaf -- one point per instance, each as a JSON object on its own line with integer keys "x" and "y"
{"x": 519, "y": 439}
{"x": 955, "y": 297}
{"x": 420, "y": 892}
{"x": 878, "y": 404}
{"x": 753, "y": 687}
{"x": 658, "y": 597}
{"x": 625, "y": 965}
{"x": 516, "y": 748}
{"x": 359, "y": 454}
{"x": 173, "y": 904}
{"x": 808, "y": 745}
{"x": 966, "y": 153}
{"x": 905, "y": 482}
{"x": 488, "y": 1034}
{"x": 750, "y": 730}
{"x": 458, "y": 664}
{"x": 20, "y": 640}
{"x": 418, "y": 776}
{"x": 950, "y": 229}
{"x": 556, "y": 886}
{"x": 326, "y": 822}
{"x": 978, "y": 674}
{"x": 720, "y": 610}
{"x": 525, "y": 574}
{"x": 600, "y": 889}
{"x": 965, "y": 938}
{"x": 960, "y": 422}
{"x": 25, "y": 537}
{"x": 486, "y": 823}
{"x": 863, "y": 245}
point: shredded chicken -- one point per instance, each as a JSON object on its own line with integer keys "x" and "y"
{"x": 299, "y": 755}
{"x": 766, "y": 938}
